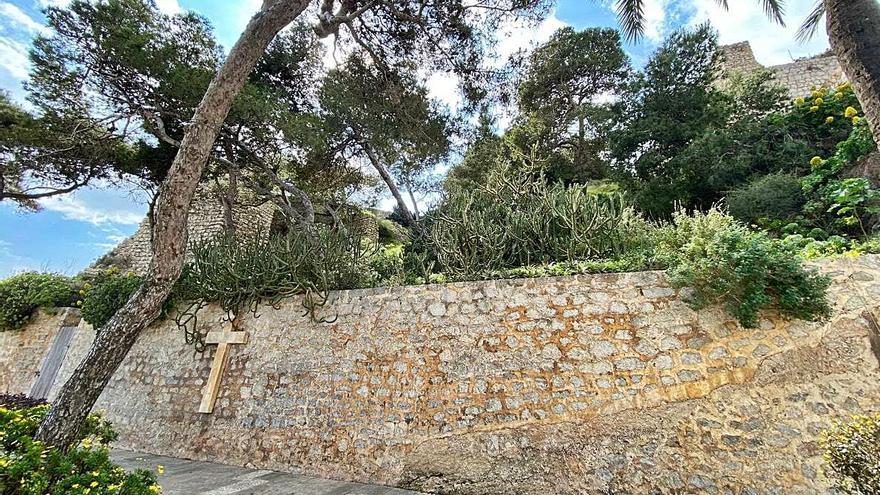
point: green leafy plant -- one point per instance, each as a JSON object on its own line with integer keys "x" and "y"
{"x": 852, "y": 455}
{"x": 239, "y": 275}
{"x": 773, "y": 197}
{"x": 846, "y": 205}
{"x": 516, "y": 219}
{"x": 725, "y": 262}
{"x": 29, "y": 467}
{"x": 22, "y": 294}
{"x": 852, "y": 200}
{"x": 105, "y": 294}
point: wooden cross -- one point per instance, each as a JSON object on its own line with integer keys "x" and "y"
{"x": 223, "y": 339}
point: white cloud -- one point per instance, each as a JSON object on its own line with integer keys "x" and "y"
{"x": 169, "y": 7}
{"x": 166, "y": 6}
{"x": 20, "y": 18}
{"x": 519, "y": 35}
{"x": 100, "y": 204}
{"x": 14, "y": 58}
{"x": 655, "y": 19}
{"x": 76, "y": 209}
{"x": 443, "y": 86}
{"x": 745, "y": 21}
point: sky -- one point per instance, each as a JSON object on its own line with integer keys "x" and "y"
{"x": 70, "y": 232}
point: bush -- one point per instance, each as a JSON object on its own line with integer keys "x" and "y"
{"x": 20, "y": 401}
{"x": 725, "y": 262}
{"x": 773, "y": 197}
{"x": 21, "y": 295}
{"x": 105, "y": 294}
{"x": 517, "y": 219}
{"x": 852, "y": 455}
{"x": 29, "y": 467}
{"x": 240, "y": 274}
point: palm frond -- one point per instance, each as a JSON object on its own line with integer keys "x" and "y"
{"x": 632, "y": 18}
{"x": 775, "y": 10}
{"x": 811, "y": 23}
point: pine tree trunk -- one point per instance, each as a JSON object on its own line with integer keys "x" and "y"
{"x": 854, "y": 32}
{"x": 77, "y": 397}
{"x": 408, "y": 218}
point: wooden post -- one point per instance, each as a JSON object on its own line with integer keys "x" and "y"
{"x": 223, "y": 339}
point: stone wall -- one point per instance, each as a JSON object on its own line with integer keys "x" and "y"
{"x": 799, "y": 76}
{"x": 22, "y": 352}
{"x": 205, "y": 222}
{"x": 588, "y": 384}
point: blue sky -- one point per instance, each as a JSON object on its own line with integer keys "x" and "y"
{"x": 68, "y": 233}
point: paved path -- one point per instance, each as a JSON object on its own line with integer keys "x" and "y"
{"x": 184, "y": 477}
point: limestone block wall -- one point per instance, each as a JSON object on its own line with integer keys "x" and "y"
{"x": 588, "y": 384}
{"x": 22, "y": 351}
{"x": 798, "y": 76}
{"x": 205, "y": 222}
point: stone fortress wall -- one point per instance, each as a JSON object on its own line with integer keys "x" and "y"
{"x": 587, "y": 384}
{"x": 799, "y": 76}
{"x": 205, "y": 222}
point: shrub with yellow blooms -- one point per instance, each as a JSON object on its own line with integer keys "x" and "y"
{"x": 852, "y": 454}
{"x": 29, "y": 467}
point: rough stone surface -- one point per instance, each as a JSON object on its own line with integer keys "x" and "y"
{"x": 205, "y": 222}
{"x": 22, "y": 351}
{"x": 503, "y": 393}
{"x": 799, "y": 76}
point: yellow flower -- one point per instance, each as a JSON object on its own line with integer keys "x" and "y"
{"x": 4, "y": 463}
{"x": 155, "y": 489}
{"x": 93, "y": 484}
{"x": 799, "y": 101}
{"x": 829, "y": 120}
{"x": 160, "y": 469}
{"x": 112, "y": 488}
{"x": 838, "y": 95}
{"x": 844, "y": 86}
{"x": 814, "y": 108}
{"x": 816, "y": 161}
{"x": 819, "y": 101}
{"x": 850, "y": 112}
{"x": 75, "y": 486}
{"x": 856, "y": 120}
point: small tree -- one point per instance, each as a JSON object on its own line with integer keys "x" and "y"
{"x": 663, "y": 109}
{"x": 386, "y": 118}
{"x": 564, "y": 78}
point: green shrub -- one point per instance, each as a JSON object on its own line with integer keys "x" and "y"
{"x": 725, "y": 262}
{"x": 240, "y": 274}
{"x": 518, "y": 219}
{"x": 852, "y": 455}
{"x": 847, "y": 206}
{"x": 29, "y": 467}
{"x": 105, "y": 294}
{"x": 771, "y": 197}
{"x": 22, "y": 294}
{"x": 391, "y": 232}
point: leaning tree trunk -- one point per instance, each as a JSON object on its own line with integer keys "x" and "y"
{"x": 113, "y": 341}
{"x": 408, "y": 218}
{"x": 854, "y": 33}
